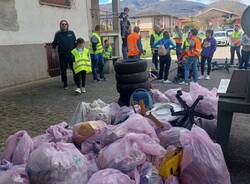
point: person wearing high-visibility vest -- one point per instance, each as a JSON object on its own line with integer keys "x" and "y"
{"x": 155, "y": 37}
{"x": 81, "y": 64}
{"x": 135, "y": 48}
{"x": 96, "y": 53}
{"x": 193, "y": 55}
{"x": 235, "y": 44}
{"x": 178, "y": 40}
{"x": 107, "y": 50}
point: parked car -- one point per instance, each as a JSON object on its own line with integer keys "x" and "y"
{"x": 229, "y": 32}
{"x": 221, "y": 38}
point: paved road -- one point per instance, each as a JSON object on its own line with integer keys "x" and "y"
{"x": 222, "y": 53}
{"x": 35, "y": 106}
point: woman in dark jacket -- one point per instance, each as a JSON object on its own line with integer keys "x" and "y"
{"x": 208, "y": 49}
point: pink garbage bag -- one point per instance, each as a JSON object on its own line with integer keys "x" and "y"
{"x": 203, "y": 160}
{"x": 209, "y": 104}
{"x": 59, "y": 163}
{"x": 136, "y": 123}
{"x": 55, "y": 133}
{"x": 119, "y": 113}
{"x": 158, "y": 97}
{"x": 171, "y": 94}
{"x": 14, "y": 175}
{"x": 172, "y": 180}
{"x": 95, "y": 141}
{"x": 60, "y": 132}
{"x": 129, "y": 152}
{"x": 209, "y": 126}
{"x": 149, "y": 174}
{"x": 18, "y": 148}
{"x": 110, "y": 176}
{"x": 171, "y": 136}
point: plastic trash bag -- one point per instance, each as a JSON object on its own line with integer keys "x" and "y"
{"x": 119, "y": 113}
{"x": 158, "y": 97}
{"x": 14, "y": 175}
{"x": 149, "y": 174}
{"x": 18, "y": 148}
{"x": 60, "y": 132}
{"x": 209, "y": 105}
{"x": 171, "y": 94}
{"x": 55, "y": 133}
{"x": 136, "y": 123}
{"x": 59, "y": 163}
{"x": 98, "y": 110}
{"x": 171, "y": 136}
{"x": 209, "y": 126}
{"x": 110, "y": 176}
{"x": 203, "y": 160}
{"x": 97, "y": 140}
{"x": 172, "y": 180}
{"x": 129, "y": 152}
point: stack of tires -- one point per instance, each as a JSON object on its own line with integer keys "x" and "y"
{"x": 130, "y": 75}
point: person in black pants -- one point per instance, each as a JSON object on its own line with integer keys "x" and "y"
{"x": 165, "y": 63}
{"x": 125, "y": 31}
{"x": 165, "y": 60}
{"x": 208, "y": 48}
{"x": 65, "y": 41}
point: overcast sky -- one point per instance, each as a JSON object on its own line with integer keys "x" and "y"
{"x": 201, "y": 1}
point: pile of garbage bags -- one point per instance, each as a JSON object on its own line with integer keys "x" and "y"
{"x": 109, "y": 144}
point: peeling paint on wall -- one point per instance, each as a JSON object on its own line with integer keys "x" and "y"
{"x": 8, "y": 16}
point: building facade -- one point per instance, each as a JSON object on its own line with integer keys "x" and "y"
{"x": 147, "y": 21}
{"x": 25, "y": 27}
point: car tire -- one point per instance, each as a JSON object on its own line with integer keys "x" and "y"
{"x": 130, "y": 67}
{"x": 128, "y": 89}
{"x": 132, "y": 78}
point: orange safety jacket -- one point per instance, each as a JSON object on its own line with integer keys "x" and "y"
{"x": 132, "y": 41}
{"x": 196, "y": 48}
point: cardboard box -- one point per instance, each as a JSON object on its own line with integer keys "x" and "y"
{"x": 84, "y": 130}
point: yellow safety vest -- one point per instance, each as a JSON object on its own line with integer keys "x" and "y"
{"x": 236, "y": 38}
{"x": 81, "y": 61}
{"x": 186, "y": 45}
{"x": 108, "y": 53}
{"x": 99, "y": 47}
{"x": 157, "y": 37}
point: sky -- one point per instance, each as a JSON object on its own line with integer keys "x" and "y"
{"x": 201, "y": 1}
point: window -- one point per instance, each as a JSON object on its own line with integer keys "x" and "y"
{"x": 59, "y": 3}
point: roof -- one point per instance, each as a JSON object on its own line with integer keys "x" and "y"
{"x": 214, "y": 12}
{"x": 151, "y": 13}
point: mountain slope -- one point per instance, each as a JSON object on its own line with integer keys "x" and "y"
{"x": 229, "y": 5}
{"x": 171, "y": 7}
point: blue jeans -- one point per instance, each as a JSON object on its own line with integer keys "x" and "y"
{"x": 125, "y": 52}
{"x": 191, "y": 64}
{"x": 245, "y": 59}
{"x": 97, "y": 61}
{"x": 137, "y": 57}
{"x": 155, "y": 60}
